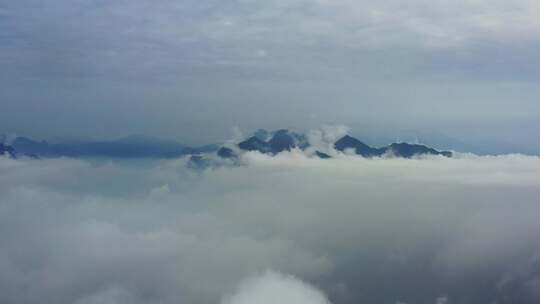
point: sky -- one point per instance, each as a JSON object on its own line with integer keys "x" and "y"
{"x": 287, "y": 229}
{"x": 192, "y": 70}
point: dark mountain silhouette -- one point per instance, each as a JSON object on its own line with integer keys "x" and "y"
{"x": 26, "y": 145}
{"x": 255, "y": 144}
{"x": 225, "y": 152}
{"x": 360, "y": 148}
{"x": 284, "y": 140}
{"x": 146, "y": 147}
{"x": 396, "y": 149}
{"x": 7, "y": 150}
{"x": 409, "y": 150}
{"x": 128, "y": 147}
{"x": 280, "y": 140}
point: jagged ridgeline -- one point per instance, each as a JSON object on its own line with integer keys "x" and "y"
{"x": 262, "y": 141}
{"x": 284, "y": 140}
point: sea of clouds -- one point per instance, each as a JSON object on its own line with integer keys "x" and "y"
{"x": 283, "y": 229}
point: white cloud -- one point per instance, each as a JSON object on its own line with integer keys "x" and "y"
{"x": 323, "y": 139}
{"x": 157, "y": 232}
{"x": 273, "y": 287}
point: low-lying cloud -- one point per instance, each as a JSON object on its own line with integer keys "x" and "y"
{"x": 275, "y": 288}
{"x": 344, "y": 230}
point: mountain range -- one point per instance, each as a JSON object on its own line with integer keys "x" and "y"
{"x": 263, "y": 141}
{"x": 127, "y": 147}
{"x": 285, "y": 140}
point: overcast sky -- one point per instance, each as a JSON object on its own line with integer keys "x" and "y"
{"x": 192, "y": 70}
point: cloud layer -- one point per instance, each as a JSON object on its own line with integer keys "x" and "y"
{"x": 163, "y": 68}
{"x": 361, "y": 231}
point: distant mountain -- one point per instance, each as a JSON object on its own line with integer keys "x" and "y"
{"x": 255, "y": 144}
{"x": 285, "y": 140}
{"x": 128, "y": 147}
{"x": 410, "y": 150}
{"x": 279, "y": 141}
{"x": 7, "y": 150}
{"x": 404, "y": 150}
{"x": 146, "y": 147}
{"x": 360, "y": 148}
{"x": 225, "y": 152}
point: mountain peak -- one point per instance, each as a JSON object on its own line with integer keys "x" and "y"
{"x": 409, "y": 150}
{"x": 360, "y": 148}
{"x": 282, "y": 141}
{"x": 285, "y": 140}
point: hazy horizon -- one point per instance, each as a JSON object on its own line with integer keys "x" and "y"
{"x": 309, "y": 216}
{"x": 193, "y": 70}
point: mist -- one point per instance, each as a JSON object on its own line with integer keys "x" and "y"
{"x": 302, "y": 229}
